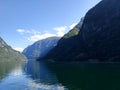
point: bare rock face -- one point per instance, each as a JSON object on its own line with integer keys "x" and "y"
{"x": 98, "y": 38}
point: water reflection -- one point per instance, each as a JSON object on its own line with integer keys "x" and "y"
{"x": 6, "y": 67}
{"x": 59, "y": 76}
{"x": 86, "y": 76}
{"x": 33, "y": 76}
{"x": 40, "y": 73}
{"x": 42, "y": 77}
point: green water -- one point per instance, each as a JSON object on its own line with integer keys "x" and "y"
{"x": 35, "y": 75}
{"x": 88, "y": 76}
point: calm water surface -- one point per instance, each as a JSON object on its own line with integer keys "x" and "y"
{"x": 35, "y": 75}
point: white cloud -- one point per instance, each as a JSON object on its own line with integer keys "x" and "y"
{"x": 19, "y": 49}
{"x": 32, "y": 31}
{"x": 34, "y": 35}
{"x": 37, "y": 37}
{"x": 63, "y": 28}
{"x": 72, "y": 25}
{"x": 21, "y": 31}
{"x": 60, "y": 34}
{"x": 60, "y": 30}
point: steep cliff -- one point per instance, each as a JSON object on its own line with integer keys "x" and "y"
{"x": 98, "y": 38}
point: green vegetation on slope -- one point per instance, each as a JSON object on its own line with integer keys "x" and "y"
{"x": 8, "y": 54}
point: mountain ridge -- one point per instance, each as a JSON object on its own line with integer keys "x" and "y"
{"x": 98, "y": 39}
{"x": 9, "y": 54}
{"x": 40, "y": 48}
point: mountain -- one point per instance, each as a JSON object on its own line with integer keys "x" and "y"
{"x": 65, "y": 44}
{"x": 74, "y": 31}
{"x": 98, "y": 39}
{"x": 8, "y": 54}
{"x": 40, "y": 48}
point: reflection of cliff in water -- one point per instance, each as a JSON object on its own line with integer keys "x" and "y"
{"x": 86, "y": 76}
{"x": 40, "y": 73}
{"x": 6, "y": 67}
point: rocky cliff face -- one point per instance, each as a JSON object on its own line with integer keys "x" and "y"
{"x": 98, "y": 39}
{"x": 8, "y": 54}
{"x": 40, "y": 48}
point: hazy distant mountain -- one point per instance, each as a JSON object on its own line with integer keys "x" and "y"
{"x": 98, "y": 38}
{"x": 8, "y": 54}
{"x": 40, "y": 48}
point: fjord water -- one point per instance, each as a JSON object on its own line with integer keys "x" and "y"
{"x": 35, "y": 75}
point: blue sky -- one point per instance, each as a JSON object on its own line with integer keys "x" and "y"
{"x": 22, "y": 22}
